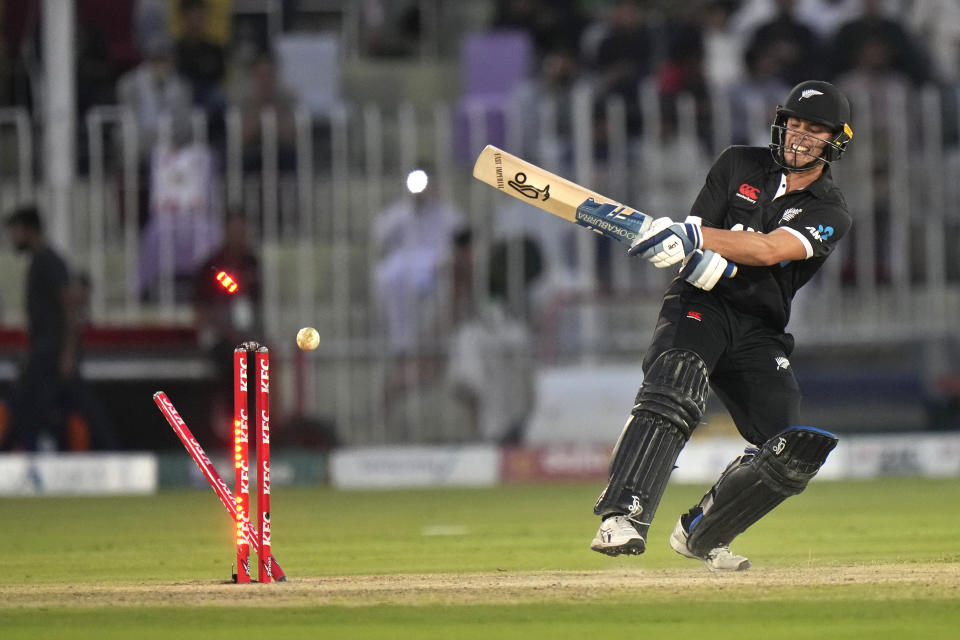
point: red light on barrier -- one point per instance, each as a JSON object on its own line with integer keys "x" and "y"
{"x": 228, "y": 283}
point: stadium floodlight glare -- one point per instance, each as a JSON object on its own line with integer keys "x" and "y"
{"x": 417, "y": 181}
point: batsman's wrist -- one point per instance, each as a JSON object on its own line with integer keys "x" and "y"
{"x": 695, "y": 234}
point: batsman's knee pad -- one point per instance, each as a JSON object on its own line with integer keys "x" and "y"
{"x": 668, "y": 407}
{"x": 753, "y": 485}
{"x": 675, "y": 387}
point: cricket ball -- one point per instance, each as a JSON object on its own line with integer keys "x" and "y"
{"x": 308, "y": 339}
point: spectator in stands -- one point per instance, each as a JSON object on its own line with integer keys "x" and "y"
{"x": 150, "y": 22}
{"x": 264, "y": 92}
{"x": 491, "y": 365}
{"x": 754, "y": 97}
{"x": 19, "y": 51}
{"x": 624, "y": 56}
{"x": 551, "y": 24}
{"x": 937, "y": 23}
{"x": 682, "y": 74}
{"x": 723, "y": 48}
{"x": 545, "y": 107}
{"x": 153, "y": 90}
{"x": 181, "y": 229}
{"x": 826, "y": 16}
{"x": 884, "y": 92}
{"x": 413, "y": 237}
{"x": 97, "y": 70}
{"x": 49, "y": 383}
{"x": 904, "y": 54}
{"x": 793, "y": 44}
{"x": 201, "y": 60}
{"x": 389, "y": 28}
{"x": 223, "y": 319}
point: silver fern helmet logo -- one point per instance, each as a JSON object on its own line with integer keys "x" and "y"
{"x": 782, "y": 363}
{"x": 809, "y": 93}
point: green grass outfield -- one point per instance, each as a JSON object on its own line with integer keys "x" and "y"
{"x": 877, "y": 559}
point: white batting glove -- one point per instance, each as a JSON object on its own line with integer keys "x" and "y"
{"x": 703, "y": 269}
{"x": 667, "y": 242}
{"x": 640, "y": 246}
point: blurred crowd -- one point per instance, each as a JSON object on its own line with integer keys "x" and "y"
{"x": 164, "y": 58}
{"x": 750, "y": 51}
{"x": 207, "y": 53}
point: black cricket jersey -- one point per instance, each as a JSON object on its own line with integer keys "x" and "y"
{"x": 740, "y": 193}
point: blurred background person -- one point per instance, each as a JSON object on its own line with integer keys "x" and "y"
{"x": 49, "y": 386}
{"x": 203, "y": 63}
{"x": 413, "y": 239}
{"x": 623, "y": 57}
{"x": 153, "y": 90}
{"x": 184, "y": 202}
{"x": 873, "y": 27}
{"x": 794, "y": 45}
{"x": 754, "y": 96}
{"x": 263, "y": 90}
{"x": 491, "y": 369}
{"x": 723, "y": 48}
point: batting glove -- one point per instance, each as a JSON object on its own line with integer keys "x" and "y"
{"x": 667, "y": 242}
{"x": 703, "y": 269}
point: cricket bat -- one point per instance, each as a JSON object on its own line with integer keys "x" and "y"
{"x": 563, "y": 198}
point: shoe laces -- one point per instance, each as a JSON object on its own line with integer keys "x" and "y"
{"x": 634, "y": 522}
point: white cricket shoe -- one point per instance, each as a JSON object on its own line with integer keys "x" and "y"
{"x": 719, "y": 559}
{"x": 617, "y": 535}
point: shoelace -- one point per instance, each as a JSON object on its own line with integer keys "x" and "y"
{"x": 637, "y": 522}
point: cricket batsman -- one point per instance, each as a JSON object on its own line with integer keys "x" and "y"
{"x": 777, "y": 214}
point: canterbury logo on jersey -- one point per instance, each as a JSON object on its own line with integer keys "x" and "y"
{"x": 749, "y": 193}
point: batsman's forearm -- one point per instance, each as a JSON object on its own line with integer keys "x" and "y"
{"x": 751, "y": 248}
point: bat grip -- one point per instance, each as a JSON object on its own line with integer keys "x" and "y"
{"x": 611, "y": 220}
{"x": 615, "y": 221}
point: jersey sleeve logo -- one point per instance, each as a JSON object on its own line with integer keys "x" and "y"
{"x": 749, "y": 193}
{"x": 821, "y": 232}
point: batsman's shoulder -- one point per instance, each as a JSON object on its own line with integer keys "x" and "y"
{"x": 738, "y": 154}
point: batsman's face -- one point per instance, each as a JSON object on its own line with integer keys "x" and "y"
{"x": 804, "y": 141}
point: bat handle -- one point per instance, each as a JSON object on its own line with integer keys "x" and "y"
{"x": 612, "y": 220}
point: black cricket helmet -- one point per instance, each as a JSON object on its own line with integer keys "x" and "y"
{"x": 815, "y": 101}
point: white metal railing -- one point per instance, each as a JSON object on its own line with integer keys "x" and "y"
{"x": 895, "y": 278}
